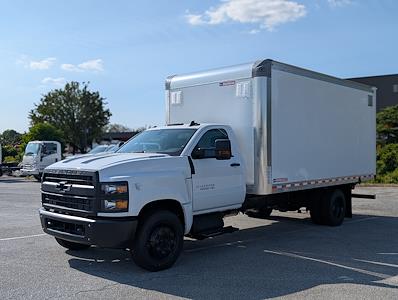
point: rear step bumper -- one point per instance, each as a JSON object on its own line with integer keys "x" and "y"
{"x": 112, "y": 233}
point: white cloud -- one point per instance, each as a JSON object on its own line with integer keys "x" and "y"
{"x": 54, "y": 81}
{"x": 195, "y": 19}
{"x": 267, "y": 13}
{"x": 22, "y": 60}
{"x": 339, "y": 3}
{"x": 254, "y": 31}
{"x": 70, "y": 67}
{"x": 95, "y": 65}
{"x": 92, "y": 65}
{"x": 42, "y": 64}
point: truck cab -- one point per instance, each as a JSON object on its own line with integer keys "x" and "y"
{"x": 153, "y": 190}
{"x": 38, "y": 155}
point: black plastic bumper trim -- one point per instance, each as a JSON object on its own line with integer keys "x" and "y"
{"x": 107, "y": 233}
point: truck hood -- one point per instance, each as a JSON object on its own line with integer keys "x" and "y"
{"x": 101, "y": 161}
{"x": 29, "y": 159}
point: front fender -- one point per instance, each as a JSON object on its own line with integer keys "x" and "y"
{"x": 161, "y": 188}
{"x": 166, "y": 178}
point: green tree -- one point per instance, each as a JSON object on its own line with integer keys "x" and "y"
{"x": 9, "y": 150}
{"x": 43, "y": 132}
{"x": 78, "y": 112}
{"x": 387, "y": 158}
{"x": 387, "y": 125}
{"x": 116, "y": 128}
{"x": 10, "y": 137}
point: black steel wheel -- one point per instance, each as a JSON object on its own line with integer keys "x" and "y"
{"x": 334, "y": 208}
{"x": 71, "y": 245}
{"x": 158, "y": 242}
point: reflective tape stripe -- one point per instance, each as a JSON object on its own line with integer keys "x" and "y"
{"x": 318, "y": 182}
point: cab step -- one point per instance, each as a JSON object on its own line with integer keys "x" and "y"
{"x": 212, "y": 233}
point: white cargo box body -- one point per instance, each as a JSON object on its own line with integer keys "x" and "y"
{"x": 296, "y": 129}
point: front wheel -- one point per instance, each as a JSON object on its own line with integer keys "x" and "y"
{"x": 71, "y": 245}
{"x": 37, "y": 177}
{"x": 158, "y": 242}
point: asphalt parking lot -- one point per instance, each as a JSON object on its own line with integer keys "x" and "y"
{"x": 285, "y": 257}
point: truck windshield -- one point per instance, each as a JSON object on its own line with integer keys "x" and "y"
{"x": 168, "y": 141}
{"x": 32, "y": 149}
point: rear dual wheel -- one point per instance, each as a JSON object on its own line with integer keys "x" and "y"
{"x": 330, "y": 209}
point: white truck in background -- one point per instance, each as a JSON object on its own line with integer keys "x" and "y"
{"x": 1, "y": 162}
{"x": 249, "y": 138}
{"x": 39, "y": 155}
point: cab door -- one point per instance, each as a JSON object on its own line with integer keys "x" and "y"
{"x": 216, "y": 183}
{"x": 49, "y": 154}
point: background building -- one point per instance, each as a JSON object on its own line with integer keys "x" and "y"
{"x": 387, "y": 89}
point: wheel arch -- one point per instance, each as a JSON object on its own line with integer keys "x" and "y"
{"x": 171, "y": 205}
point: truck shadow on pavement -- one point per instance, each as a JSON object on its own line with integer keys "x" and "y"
{"x": 285, "y": 257}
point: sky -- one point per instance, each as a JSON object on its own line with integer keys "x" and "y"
{"x": 126, "y": 49}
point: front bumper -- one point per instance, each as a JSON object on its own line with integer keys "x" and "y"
{"x": 28, "y": 172}
{"x": 107, "y": 233}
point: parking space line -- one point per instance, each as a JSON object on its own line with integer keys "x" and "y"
{"x": 377, "y": 263}
{"x": 366, "y": 272}
{"x": 22, "y": 237}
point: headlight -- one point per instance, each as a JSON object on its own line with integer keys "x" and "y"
{"x": 114, "y": 197}
{"x": 116, "y": 204}
{"x": 114, "y": 188}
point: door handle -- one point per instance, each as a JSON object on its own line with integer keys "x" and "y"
{"x": 235, "y": 164}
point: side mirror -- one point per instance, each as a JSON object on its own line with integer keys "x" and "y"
{"x": 223, "y": 149}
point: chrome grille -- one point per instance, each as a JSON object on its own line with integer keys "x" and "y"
{"x": 70, "y": 191}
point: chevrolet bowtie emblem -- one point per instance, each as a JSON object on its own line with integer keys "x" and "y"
{"x": 63, "y": 187}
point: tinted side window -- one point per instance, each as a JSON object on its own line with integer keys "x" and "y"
{"x": 50, "y": 148}
{"x": 207, "y": 143}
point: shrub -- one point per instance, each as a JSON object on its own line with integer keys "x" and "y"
{"x": 387, "y": 159}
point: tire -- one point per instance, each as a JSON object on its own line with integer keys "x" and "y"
{"x": 262, "y": 213}
{"x": 158, "y": 242}
{"x": 333, "y": 208}
{"x": 71, "y": 245}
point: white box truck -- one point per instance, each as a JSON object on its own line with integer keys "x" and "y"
{"x": 249, "y": 138}
{"x": 1, "y": 161}
{"x": 39, "y": 155}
